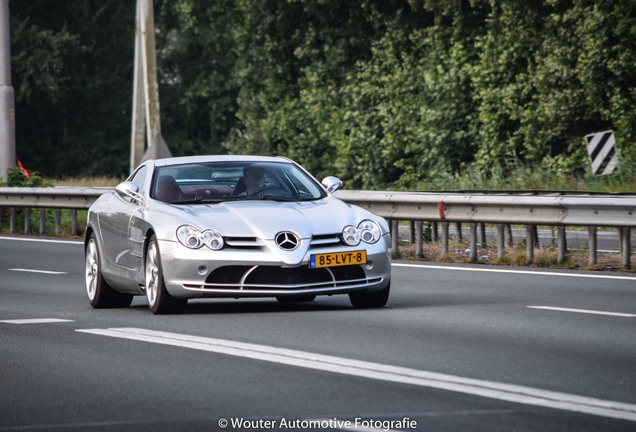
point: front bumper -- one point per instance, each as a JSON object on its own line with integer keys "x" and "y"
{"x": 259, "y": 273}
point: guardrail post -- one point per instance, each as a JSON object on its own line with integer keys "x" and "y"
{"x": 74, "y": 222}
{"x": 12, "y": 220}
{"x": 58, "y": 221}
{"x": 42, "y": 221}
{"x": 530, "y": 242}
{"x": 473, "y": 242}
{"x": 482, "y": 234}
{"x": 460, "y": 236}
{"x": 395, "y": 240}
{"x": 591, "y": 244}
{"x": 444, "y": 238}
{"x": 626, "y": 249}
{"x": 562, "y": 245}
{"x": 434, "y": 233}
{"x": 411, "y": 232}
{"x": 511, "y": 240}
{"x": 418, "y": 239}
{"x": 501, "y": 240}
{"x": 27, "y": 220}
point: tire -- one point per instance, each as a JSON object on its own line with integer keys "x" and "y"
{"x": 296, "y": 298}
{"x": 370, "y": 300}
{"x": 100, "y": 294}
{"x": 159, "y": 299}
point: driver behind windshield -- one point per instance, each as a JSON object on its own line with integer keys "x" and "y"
{"x": 254, "y": 177}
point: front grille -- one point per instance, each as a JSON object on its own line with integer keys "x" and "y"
{"x": 325, "y": 240}
{"x": 243, "y": 242}
{"x": 264, "y": 278}
{"x": 265, "y": 275}
{"x": 227, "y": 275}
{"x": 317, "y": 241}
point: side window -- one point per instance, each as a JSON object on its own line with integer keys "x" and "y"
{"x": 139, "y": 178}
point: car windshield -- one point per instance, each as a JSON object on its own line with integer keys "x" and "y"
{"x": 209, "y": 182}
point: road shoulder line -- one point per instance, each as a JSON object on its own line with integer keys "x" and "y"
{"x": 383, "y": 372}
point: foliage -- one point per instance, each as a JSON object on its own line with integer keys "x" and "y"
{"x": 17, "y": 179}
{"x": 72, "y": 71}
{"x": 196, "y": 59}
{"x": 395, "y": 94}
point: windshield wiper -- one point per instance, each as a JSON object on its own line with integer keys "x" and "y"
{"x": 198, "y": 200}
{"x": 258, "y": 197}
{"x": 279, "y": 198}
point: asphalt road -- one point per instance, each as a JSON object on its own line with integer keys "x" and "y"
{"x": 457, "y": 348}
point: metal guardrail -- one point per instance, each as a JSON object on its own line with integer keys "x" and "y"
{"x": 77, "y": 198}
{"x": 530, "y": 208}
{"x": 58, "y": 198}
{"x": 519, "y": 208}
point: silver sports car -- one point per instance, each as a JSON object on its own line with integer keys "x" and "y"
{"x": 232, "y": 226}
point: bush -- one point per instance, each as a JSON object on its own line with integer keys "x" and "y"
{"x": 18, "y": 179}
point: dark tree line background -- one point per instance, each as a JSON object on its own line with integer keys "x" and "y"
{"x": 382, "y": 93}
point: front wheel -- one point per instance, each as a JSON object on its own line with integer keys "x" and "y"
{"x": 100, "y": 294}
{"x": 370, "y": 300}
{"x": 159, "y": 299}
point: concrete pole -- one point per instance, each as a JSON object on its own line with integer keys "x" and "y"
{"x": 7, "y": 98}
{"x": 149, "y": 58}
{"x": 146, "y": 88}
{"x": 138, "y": 136}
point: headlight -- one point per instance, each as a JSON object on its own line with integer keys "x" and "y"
{"x": 213, "y": 239}
{"x": 192, "y": 238}
{"x": 369, "y": 231}
{"x": 351, "y": 236}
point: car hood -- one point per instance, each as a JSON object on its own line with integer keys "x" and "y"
{"x": 264, "y": 219}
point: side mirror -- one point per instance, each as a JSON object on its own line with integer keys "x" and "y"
{"x": 332, "y": 184}
{"x": 129, "y": 190}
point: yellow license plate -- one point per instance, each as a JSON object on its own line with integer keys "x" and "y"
{"x": 338, "y": 259}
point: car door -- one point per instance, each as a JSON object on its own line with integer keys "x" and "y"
{"x": 115, "y": 224}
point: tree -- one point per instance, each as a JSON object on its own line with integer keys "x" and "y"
{"x": 69, "y": 61}
{"x": 196, "y": 59}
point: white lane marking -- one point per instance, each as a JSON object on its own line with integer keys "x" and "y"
{"x": 28, "y": 239}
{"x": 489, "y": 389}
{"x": 525, "y": 272}
{"x": 36, "y": 321}
{"x": 37, "y": 271}
{"x": 584, "y": 311}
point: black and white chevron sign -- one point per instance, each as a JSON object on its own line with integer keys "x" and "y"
{"x": 602, "y": 150}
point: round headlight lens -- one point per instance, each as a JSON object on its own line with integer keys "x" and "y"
{"x": 369, "y": 231}
{"x": 213, "y": 239}
{"x": 189, "y": 236}
{"x": 351, "y": 236}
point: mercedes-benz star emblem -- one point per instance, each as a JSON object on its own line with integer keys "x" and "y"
{"x": 287, "y": 240}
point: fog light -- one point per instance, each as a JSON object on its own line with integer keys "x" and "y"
{"x": 202, "y": 270}
{"x": 369, "y": 265}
